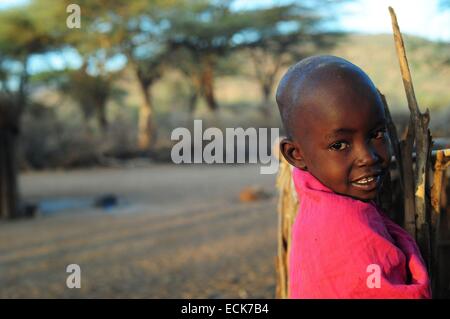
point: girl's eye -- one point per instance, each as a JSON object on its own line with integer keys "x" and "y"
{"x": 339, "y": 146}
{"x": 379, "y": 134}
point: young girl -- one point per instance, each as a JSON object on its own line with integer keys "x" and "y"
{"x": 343, "y": 245}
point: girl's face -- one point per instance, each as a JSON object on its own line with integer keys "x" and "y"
{"x": 343, "y": 140}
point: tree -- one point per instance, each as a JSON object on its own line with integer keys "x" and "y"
{"x": 8, "y": 164}
{"x": 147, "y": 72}
{"x": 204, "y": 30}
{"x": 146, "y": 54}
{"x": 22, "y": 35}
{"x": 90, "y": 92}
{"x": 136, "y": 31}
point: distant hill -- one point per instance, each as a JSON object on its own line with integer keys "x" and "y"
{"x": 376, "y": 55}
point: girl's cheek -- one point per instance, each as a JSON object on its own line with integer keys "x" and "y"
{"x": 383, "y": 150}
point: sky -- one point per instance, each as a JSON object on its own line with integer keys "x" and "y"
{"x": 417, "y": 17}
{"x": 8, "y": 3}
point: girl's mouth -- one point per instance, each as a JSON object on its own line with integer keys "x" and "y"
{"x": 367, "y": 183}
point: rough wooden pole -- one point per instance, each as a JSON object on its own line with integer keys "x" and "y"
{"x": 422, "y": 136}
{"x": 402, "y": 148}
{"x": 287, "y": 210}
{"x": 406, "y": 166}
{"x": 442, "y": 162}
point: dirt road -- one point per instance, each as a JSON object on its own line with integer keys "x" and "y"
{"x": 177, "y": 232}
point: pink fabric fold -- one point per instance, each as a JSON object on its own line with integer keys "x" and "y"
{"x": 339, "y": 244}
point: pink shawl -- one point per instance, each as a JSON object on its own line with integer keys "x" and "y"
{"x": 346, "y": 248}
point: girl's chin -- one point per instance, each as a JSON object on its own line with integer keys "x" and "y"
{"x": 365, "y": 196}
{"x": 362, "y": 197}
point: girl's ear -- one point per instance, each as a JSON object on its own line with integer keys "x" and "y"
{"x": 292, "y": 153}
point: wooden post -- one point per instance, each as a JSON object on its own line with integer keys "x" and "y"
{"x": 419, "y": 132}
{"x": 442, "y": 162}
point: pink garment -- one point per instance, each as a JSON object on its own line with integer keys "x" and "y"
{"x": 336, "y": 238}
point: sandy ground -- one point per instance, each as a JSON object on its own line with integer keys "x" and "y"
{"x": 178, "y": 232}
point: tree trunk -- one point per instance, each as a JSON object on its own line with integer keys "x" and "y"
{"x": 208, "y": 84}
{"x": 8, "y": 175}
{"x": 11, "y": 108}
{"x": 265, "y": 104}
{"x": 146, "y": 127}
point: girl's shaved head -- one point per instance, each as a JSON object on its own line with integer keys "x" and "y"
{"x": 312, "y": 79}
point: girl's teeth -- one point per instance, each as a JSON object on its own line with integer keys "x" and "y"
{"x": 365, "y": 180}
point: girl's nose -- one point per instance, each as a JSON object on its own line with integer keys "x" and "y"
{"x": 367, "y": 156}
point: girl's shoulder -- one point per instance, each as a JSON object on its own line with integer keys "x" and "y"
{"x": 337, "y": 216}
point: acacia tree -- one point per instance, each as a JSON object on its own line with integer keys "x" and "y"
{"x": 96, "y": 42}
{"x": 22, "y": 35}
{"x": 147, "y": 73}
{"x": 147, "y": 55}
{"x": 135, "y": 30}
{"x": 203, "y": 32}
{"x": 90, "y": 92}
